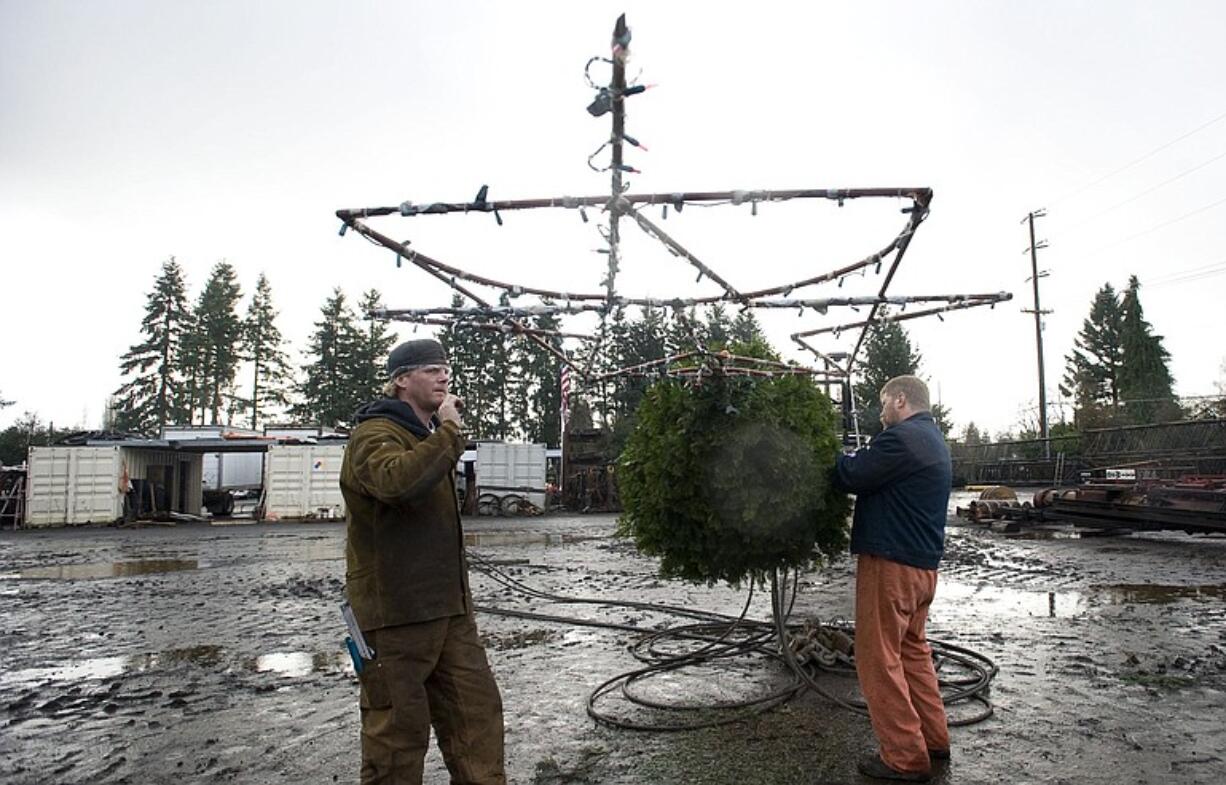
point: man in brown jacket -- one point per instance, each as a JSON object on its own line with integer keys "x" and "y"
{"x": 407, "y": 581}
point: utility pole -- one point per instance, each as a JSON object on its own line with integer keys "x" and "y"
{"x": 1038, "y": 327}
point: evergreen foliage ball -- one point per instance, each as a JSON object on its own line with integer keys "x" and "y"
{"x": 730, "y": 478}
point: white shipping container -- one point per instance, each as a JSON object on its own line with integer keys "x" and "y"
{"x": 504, "y": 466}
{"x": 303, "y": 481}
{"x": 74, "y": 484}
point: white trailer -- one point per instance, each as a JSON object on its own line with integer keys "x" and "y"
{"x": 302, "y": 481}
{"x": 504, "y": 468}
{"x": 223, "y": 471}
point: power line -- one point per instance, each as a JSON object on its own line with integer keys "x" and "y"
{"x": 1134, "y": 162}
{"x": 1156, "y": 227}
{"x": 1146, "y": 192}
{"x": 1188, "y": 276}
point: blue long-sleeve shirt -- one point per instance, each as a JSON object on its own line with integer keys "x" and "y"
{"x": 901, "y": 480}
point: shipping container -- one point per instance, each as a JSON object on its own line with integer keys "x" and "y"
{"x": 88, "y": 484}
{"x": 303, "y": 481}
{"x": 504, "y": 468}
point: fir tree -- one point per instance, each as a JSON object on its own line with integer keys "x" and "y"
{"x": 718, "y": 327}
{"x": 745, "y": 328}
{"x": 151, "y": 396}
{"x": 971, "y": 435}
{"x": 262, "y": 345}
{"x": 327, "y": 394}
{"x": 215, "y": 347}
{"x": 1092, "y": 373}
{"x": 492, "y": 383}
{"x": 456, "y": 343}
{"x": 537, "y": 398}
{"x": 370, "y": 357}
{"x": 943, "y": 417}
{"x": 887, "y": 353}
{"x": 1145, "y": 382}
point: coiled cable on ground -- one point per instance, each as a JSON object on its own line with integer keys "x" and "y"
{"x": 708, "y": 638}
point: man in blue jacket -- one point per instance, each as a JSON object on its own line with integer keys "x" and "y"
{"x": 901, "y": 481}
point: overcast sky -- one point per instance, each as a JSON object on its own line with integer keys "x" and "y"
{"x": 134, "y": 131}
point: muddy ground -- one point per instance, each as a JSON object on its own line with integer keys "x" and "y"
{"x": 203, "y": 653}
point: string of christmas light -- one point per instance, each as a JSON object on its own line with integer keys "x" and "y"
{"x": 499, "y": 310}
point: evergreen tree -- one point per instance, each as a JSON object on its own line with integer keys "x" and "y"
{"x": 370, "y": 357}
{"x": 644, "y": 340}
{"x": 327, "y": 394}
{"x": 493, "y": 383}
{"x": 457, "y": 343}
{"x": 944, "y": 418}
{"x": 971, "y": 435}
{"x": 215, "y": 346}
{"x": 26, "y": 431}
{"x": 1145, "y": 382}
{"x": 1092, "y": 373}
{"x": 745, "y": 328}
{"x": 151, "y": 396}
{"x": 718, "y": 327}
{"x": 262, "y": 344}
{"x": 887, "y": 353}
{"x": 538, "y": 398}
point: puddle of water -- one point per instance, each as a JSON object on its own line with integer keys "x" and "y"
{"x": 516, "y": 538}
{"x": 1043, "y": 534}
{"x": 119, "y": 569}
{"x": 289, "y": 664}
{"x": 1154, "y": 593}
{"x": 299, "y": 663}
{"x": 1011, "y": 603}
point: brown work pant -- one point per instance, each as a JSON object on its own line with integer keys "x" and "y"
{"x": 894, "y": 661}
{"x": 432, "y": 673}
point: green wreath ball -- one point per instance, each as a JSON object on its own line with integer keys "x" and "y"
{"x": 730, "y": 478}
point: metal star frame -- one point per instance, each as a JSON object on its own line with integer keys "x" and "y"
{"x": 490, "y": 302}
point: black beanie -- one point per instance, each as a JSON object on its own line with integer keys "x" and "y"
{"x": 413, "y": 354}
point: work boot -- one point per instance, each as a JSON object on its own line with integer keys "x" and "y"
{"x": 873, "y": 766}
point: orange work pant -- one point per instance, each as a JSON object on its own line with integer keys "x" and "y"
{"x": 894, "y": 661}
{"x": 432, "y": 673}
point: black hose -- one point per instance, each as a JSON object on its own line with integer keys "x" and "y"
{"x": 716, "y": 636}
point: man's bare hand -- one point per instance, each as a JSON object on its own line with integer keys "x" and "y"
{"x": 451, "y": 409}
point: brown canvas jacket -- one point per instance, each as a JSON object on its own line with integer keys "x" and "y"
{"x": 405, "y": 553}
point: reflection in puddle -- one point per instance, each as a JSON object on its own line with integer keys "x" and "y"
{"x": 1000, "y": 601}
{"x": 1158, "y": 593}
{"x": 119, "y": 569}
{"x": 518, "y": 538}
{"x": 1034, "y": 533}
{"x": 80, "y": 670}
{"x": 289, "y": 664}
{"x": 298, "y": 663}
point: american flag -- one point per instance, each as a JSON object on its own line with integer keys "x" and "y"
{"x": 565, "y": 395}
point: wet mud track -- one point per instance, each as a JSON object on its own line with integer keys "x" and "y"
{"x": 202, "y": 654}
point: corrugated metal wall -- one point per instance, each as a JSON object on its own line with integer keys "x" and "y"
{"x": 73, "y": 485}
{"x": 303, "y": 481}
